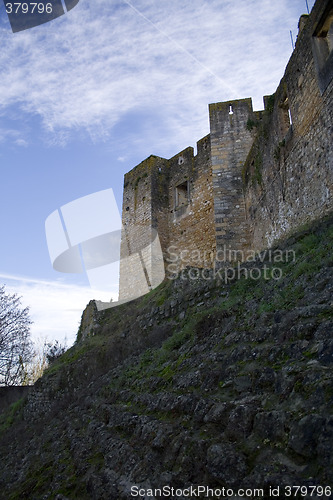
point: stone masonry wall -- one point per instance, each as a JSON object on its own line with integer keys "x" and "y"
{"x": 289, "y": 172}
{"x": 257, "y": 177}
{"x": 139, "y": 221}
{"x": 174, "y": 199}
{"x": 231, "y": 142}
{"x": 191, "y": 225}
{"x": 11, "y": 394}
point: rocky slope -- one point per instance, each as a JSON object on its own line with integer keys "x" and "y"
{"x": 201, "y": 382}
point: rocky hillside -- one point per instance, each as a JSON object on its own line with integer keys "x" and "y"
{"x": 199, "y": 383}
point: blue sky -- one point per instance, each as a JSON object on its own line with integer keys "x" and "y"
{"x": 86, "y": 97}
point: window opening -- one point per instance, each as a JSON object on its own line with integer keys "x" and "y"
{"x": 290, "y": 119}
{"x": 182, "y": 195}
{"x": 322, "y": 45}
{"x": 324, "y": 38}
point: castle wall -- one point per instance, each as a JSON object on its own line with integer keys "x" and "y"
{"x": 174, "y": 200}
{"x": 11, "y": 394}
{"x": 191, "y": 209}
{"x": 255, "y": 178}
{"x": 143, "y": 195}
{"x": 289, "y": 172}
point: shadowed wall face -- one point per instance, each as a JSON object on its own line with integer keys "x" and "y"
{"x": 293, "y": 152}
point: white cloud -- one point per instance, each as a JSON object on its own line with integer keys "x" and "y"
{"x": 55, "y": 308}
{"x": 12, "y": 135}
{"x": 150, "y": 69}
{"x": 103, "y": 60}
{"x": 21, "y": 143}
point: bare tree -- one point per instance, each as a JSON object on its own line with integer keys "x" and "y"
{"x": 38, "y": 363}
{"x": 15, "y": 344}
{"x": 44, "y": 354}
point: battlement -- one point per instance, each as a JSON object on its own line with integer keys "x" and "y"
{"x": 257, "y": 176}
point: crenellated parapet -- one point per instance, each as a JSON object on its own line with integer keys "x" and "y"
{"x": 256, "y": 177}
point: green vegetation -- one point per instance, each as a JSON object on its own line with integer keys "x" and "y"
{"x": 269, "y": 104}
{"x": 158, "y": 295}
{"x": 13, "y": 414}
{"x": 136, "y": 378}
{"x": 97, "y": 460}
{"x": 277, "y": 150}
{"x": 251, "y": 124}
{"x": 41, "y": 475}
{"x": 69, "y": 357}
{"x": 312, "y": 250}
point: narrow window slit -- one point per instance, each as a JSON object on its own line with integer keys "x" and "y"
{"x": 289, "y": 115}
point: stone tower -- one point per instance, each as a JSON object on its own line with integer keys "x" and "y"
{"x": 231, "y": 141}
{"x": 255, "y": 178}
{"x": 195, "y": 203}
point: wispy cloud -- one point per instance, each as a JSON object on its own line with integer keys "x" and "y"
{"x": 138, "y": 74}
{"x": 103, "y": 60}
{"x": 12, "y": 135}
{"x": 21, "y": 143}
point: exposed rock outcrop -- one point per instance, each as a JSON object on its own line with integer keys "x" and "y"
{"x": 200, "y": 382}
